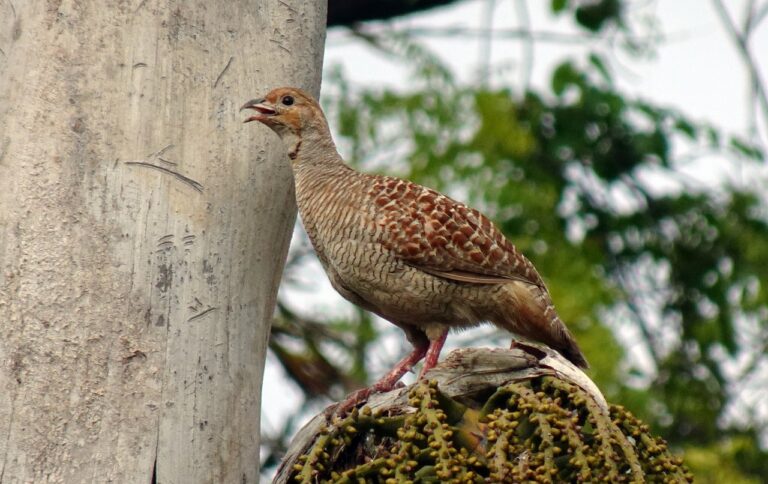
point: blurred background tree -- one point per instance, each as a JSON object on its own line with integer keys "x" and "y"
{"x": 661, "y": 277}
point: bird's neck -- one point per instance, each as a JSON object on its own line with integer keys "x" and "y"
{"x": 319, "y": 168}
{"x": 312, "y": 147}
{"x": 314, "y": 151}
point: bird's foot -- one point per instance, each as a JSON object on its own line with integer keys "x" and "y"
{"x": 343, "y": 408}
{"x": 356, "y": 398}
{"x": 390, "y": 380}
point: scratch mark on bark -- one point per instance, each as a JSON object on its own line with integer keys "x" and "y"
{"x": 198, "y": 316}
{"x": 229, "y": 62}
{"x": 159, "y": 155}
{"x": 286, "y": 5}
{"x": 139, "y": 6}
{"x": 134, "y": 354}
{"x": 161, "y": 151}
{"x": 192, "y": 183}
{"x": 280, "y": 45}
{"x": 139, "y": 64}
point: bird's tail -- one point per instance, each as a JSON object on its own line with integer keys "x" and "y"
{"x": 527, "y": 310}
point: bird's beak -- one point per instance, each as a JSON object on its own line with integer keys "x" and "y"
{"x": 262, "y": 108}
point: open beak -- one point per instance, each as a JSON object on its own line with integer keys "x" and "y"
{"x": 263, "y": 110}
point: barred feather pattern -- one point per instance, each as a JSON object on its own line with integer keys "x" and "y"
{"x": 432, "y": 231}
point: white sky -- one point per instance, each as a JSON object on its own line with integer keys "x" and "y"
{"x": 697, "y": 70}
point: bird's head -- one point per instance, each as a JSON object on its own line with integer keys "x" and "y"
{"x": 291, "y": 113}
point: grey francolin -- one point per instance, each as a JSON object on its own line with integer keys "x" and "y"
{"x": 417, "y": 258}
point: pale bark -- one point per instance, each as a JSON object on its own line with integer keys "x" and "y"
{"x": 143, "y": 230}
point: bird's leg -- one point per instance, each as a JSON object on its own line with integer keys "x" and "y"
{"x": 388, "y": 381}
{"x": 433, "y": 352}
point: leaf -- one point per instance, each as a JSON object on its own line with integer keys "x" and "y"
{"x": 565, "y": 75}
{"x": 558, "y": 6}
{"x": 747, "y": 149}
{"x": 593, "y": 16}
{"x": 685, "y": 127}
{"x": 714, "y": 137}
{"x": 598, "y": 63}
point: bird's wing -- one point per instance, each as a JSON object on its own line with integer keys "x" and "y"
{"x": 444, "y": 237}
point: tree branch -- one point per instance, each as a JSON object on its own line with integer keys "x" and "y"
{"x": 350, "y": 12}
{"x": 741, "y": 41}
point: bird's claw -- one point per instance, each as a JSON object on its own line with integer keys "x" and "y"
{"x": 356, "y": 398}
{"x": 343, "y": 408}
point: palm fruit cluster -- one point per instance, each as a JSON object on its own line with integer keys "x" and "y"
{"x": 538, "y": 430}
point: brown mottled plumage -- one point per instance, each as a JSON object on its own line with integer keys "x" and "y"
{"x": 417, "y": 258}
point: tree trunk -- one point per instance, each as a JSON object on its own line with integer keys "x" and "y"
{"x": 143, "y": 231}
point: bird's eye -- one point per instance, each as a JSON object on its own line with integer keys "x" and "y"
{"x": 287, "y": 100}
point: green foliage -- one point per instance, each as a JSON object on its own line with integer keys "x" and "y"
{"x": 733, "y": 460}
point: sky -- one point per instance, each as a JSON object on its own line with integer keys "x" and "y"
{"x": 693, "y": 68}
{"x": 696, "y": 69}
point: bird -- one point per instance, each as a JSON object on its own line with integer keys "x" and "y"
{"x": 405, "y": 252}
